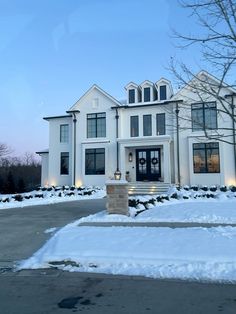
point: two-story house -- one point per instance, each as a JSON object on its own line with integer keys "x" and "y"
{"x": 155, "y": 136}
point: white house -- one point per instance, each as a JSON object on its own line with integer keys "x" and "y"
{"x": 155, "y": 136}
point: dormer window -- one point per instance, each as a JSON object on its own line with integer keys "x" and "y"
{"x": 131, "y": 96}
{"x": 147, "y": 94}
{"x": 163, "y": 92}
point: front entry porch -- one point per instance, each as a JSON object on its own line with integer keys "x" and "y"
{"x": 144, "y": 160}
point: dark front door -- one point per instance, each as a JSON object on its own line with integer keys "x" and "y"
{"x": 148, "y": 164}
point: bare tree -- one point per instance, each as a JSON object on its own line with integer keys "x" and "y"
{"x": 217, "y": 41}
{"x": 4, "y": 150}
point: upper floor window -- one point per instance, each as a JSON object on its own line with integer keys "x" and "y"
{"x": 204, "y": 116}
{"x": 131, "y": 96}
{"x": 147, "y": 125}
{"x": 64, "y": 133}
{"x": 95, "y": 161}
{"x": 134, "y": 128}
{"x": 64, "y": 163}
{"x": 147, "y": 94}
{"x": 96, "y": 125}
{"x": 206, "y": 158}
{"x": 161, "y": 124}
{"x": 163, "y": 95}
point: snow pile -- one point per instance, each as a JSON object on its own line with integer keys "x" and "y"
{"x": 50, "y": 195}
{"x": 191, "y": 253}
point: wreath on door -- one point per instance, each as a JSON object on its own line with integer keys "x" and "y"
{"x": 154, "y": 160}
{"x": 142, "y": 161}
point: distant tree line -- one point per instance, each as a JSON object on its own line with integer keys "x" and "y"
{"x": 18, "y": 174}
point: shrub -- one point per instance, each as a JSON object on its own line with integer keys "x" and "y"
{"x": 204, "y": 188}
{"x": 6, "y": 200}
{"x": 233, "y": 188}
{"x": 223, "y": 188}
{"x": 213, "y": 188}
{"x": 70, "y": 194}
{"x": 152, "y": 201}
{"x": 133, "y": 202}
{"x": 210, "y": 195}
{"x": 165, "y": 197}
{"x": 174, "y": 195}
{"x": 194, "y": 188}
{"x": 59, "y": 194}
{"x": 80, "y": 189}
{"x": 18, "y": 198}
{"x": 72, "y": 188}
{"x": 186, "y": 188}
{"x": 49, "y": 189}
{"x": 88, "y": 193}
{"x": 44, "y": 189}
{"x": 185, "y": 197}
{"x": 39, "y": 195}
{"x": 27, "y": 197}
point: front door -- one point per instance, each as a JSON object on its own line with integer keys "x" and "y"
{"x": 148, "y": 164}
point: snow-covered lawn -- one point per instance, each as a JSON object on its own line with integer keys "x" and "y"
{"x": 191, "y": 253}
{"x": 200, "y": 211}
{"x": 50, "y": 196}
{"x": 206, "y": 254}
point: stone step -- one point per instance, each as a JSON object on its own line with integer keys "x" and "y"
{"x": 146, "y": 188}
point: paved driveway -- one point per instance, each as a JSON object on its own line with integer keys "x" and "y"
{"x": 22, "y": 229}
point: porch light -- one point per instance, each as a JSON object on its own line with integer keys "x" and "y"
{"x": 130, "y": 157}
{"x": 117, "y": 174}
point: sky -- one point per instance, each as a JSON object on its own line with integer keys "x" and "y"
{"x": 52, "y": 51}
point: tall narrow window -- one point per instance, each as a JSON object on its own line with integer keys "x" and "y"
{"x": 161, "y": 124}
{"x": 147, "y": 125}
{"x": 95, "y": 161}
{"x": 206, "y": 158}
{"x": 96, "y": 125}
{"x": 204, "y": 116}
{"x": 134, "y": 128}
{"x": 147, "y": 94}
{"x": 131, "y": 96}
{"x": 163, "y": 92}
{"x": 64, "y": 163}
{"x": 64, "y": 133}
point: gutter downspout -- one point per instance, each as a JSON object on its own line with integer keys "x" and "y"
{"x": 74, "y": 144}
{"x": 177, "y": 130}
{"x": 234, "y": 139}
{"x": 117, "y": 144}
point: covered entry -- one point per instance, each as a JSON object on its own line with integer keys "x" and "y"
{"x": 148, "y": 164}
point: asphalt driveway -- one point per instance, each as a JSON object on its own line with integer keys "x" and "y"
{"x": 22, "y": 229}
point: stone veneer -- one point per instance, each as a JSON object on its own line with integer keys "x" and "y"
{"x": 117, "y": 197}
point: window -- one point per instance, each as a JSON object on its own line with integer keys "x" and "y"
{"x": 163, "y": 92}
{"x": 131, "y": 96}
{"x": 96, "y": 125}
{"x": 147, "y": 94}
{"x": 161, "y": 124}
{"x": 134, "y": 129}
{"x": 95, "y": 161}
{"x": 64, "y": 133}
{"x": 206, "y": 158}
{"x": 204, "y": 116}
{"x": 147, "y": 125}
{"x": 64, "y": 163}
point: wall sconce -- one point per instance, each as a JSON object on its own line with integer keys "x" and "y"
{"x": 117, "y": 174}
{"x": 130, "y": 157}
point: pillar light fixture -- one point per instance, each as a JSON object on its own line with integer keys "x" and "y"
{"x": 117, "y": 174}
{"x": 130, "y": 157}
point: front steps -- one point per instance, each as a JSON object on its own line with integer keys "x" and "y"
{"x": 145, "y": 188}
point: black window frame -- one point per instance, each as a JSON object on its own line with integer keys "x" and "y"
{"x": 158, "y": 115}
{"x": 149, "y": 116}
{"x": 203, "y": 107}
{"x": 94, "y": 152}
{"x": 163, "y": 88}
{"x": 131, "y": 125}
{"x": 64, "y": 157}
{"x": 204, "y": 147}
{"x": 95, "y": 117}
{"x": 131, "y": 96}
{"x": 145, "y": 98}
{"x": 63, "y": 133}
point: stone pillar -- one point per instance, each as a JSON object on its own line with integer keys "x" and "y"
{"x": 117, "y": 197}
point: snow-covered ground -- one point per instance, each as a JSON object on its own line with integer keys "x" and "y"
{"x": 50, "y": 197}
{"x": 199, "y": 211}
{"x": 193, "y": 253}
{"x": 206, "y": 254}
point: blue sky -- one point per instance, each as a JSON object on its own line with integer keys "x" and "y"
{"x": 51, "y": 52}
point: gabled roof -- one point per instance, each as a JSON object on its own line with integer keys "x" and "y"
{"x": 162, "y": 79}
{"x": 146, "y": 82}
{"x": 89, "y": 91}
{"x": 210, "y": 76}
{"x": 131, "y": 84}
